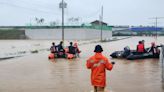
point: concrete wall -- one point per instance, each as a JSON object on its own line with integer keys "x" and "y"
{"x": 70, "y": 34}
{"x": 12, "y": 34}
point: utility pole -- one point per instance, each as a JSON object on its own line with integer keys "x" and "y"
{"x": 62, "y": 5}
{"x": 101, "y": 23}
{"x": 162, "y": 61}
{"x": 156, "y": 24}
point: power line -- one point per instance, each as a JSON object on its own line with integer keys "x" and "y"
{"x": 34, "y": 4}
{"x": 93, "y": 14}
{"x": 31, "y": 9}
{"x": 96, "y": 13}
{"x": 156, "y": 23}
{"x": 156, "y": 18}
{"x": 47, "y": 12}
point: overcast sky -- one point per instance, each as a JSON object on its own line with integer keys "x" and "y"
{"x": 116, "y": 12}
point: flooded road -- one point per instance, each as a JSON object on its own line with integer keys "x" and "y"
{"x": 35, "y": 73}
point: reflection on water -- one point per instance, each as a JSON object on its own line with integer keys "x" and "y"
{"x": 35, "y": 73}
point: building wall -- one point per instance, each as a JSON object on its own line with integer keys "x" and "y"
{"x": 120, "y": 28}
{"x": 70, "y": 34}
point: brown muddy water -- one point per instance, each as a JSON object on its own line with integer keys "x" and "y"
{"x": 35, "y": 73}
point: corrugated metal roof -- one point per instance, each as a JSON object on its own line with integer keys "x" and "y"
{"x": 146, "y": 29}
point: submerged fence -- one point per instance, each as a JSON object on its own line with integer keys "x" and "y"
{"x": 162, "y": 61}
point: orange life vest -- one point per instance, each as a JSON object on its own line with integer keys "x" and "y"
{"x": 140, "y": 48}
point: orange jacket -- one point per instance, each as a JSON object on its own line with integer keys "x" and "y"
{"x": 98, "y": 64}
{"x": 140, "y": 48}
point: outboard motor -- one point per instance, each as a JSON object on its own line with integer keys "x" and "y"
{"x": 126, "y": 51}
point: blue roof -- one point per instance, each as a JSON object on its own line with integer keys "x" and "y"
{"x": 146, "y": 29}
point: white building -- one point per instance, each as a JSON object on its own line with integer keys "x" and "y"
{"x": 69, "y": 33}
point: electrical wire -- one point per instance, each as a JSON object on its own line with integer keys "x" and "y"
{"x": 27, "y": 8}
{"x": 91, "y": 15}
{"x": 35, "y": 4}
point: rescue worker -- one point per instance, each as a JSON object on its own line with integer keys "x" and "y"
{"x": 98, "y": 65}
{"x": 60, "y": 46}
{"x": 143, "y": 42}
{"x": 154, "y": 49}
{"x": 71, "y": 49}
{"x": 77, "y": 51}
{"x": 140, "y": 47}
{"x": 53, "y": 48}
{"x": 60, "y": 50}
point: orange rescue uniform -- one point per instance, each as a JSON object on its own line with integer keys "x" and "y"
{"x": 98, "y": 65}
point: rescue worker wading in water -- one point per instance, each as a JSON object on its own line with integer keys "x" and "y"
{"x": 98, "y": 65}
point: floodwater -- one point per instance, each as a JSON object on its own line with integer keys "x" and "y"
{"x": 35, "y": 73}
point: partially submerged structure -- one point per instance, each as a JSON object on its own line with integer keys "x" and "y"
{"x": 55, "y": 32}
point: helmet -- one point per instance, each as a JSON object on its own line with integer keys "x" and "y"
{"x": 98, "y": 48}
{"x": 153, "y": 43}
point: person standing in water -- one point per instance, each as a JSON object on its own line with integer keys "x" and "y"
{"x": 98, "y": 65}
